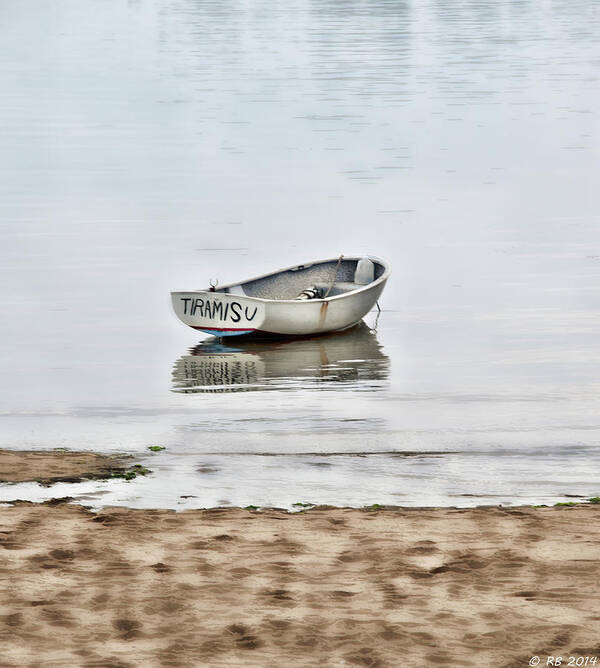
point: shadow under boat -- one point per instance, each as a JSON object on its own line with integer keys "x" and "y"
{"x": 352, "y": 357}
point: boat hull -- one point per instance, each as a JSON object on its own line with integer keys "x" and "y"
{"x": 233, "y": 315}
{"x": 225, "y": 314}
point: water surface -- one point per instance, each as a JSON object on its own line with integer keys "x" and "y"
{"x": 150, "y": 147}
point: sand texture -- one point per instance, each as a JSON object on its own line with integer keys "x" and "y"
{"x": 328, "y": 587}
{"x": 58, "y": 466}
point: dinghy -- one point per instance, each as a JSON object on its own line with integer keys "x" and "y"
{"x": 314, "y": 298}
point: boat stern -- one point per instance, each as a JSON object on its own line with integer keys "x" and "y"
{"x": 217, "y": 313}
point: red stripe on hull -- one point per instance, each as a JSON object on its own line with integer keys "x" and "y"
{"x": 226, "y": 329}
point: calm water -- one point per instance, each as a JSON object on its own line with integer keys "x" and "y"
{"x": 152, "y": 146}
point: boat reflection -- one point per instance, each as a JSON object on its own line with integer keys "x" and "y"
{"x": 353, "y": 358}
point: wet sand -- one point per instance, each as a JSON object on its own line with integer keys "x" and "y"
{"x": 47, "y": 467}
{"x": 330, "y": 586}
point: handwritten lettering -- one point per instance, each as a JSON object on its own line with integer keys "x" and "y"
{"x": 198, "y": 304}
{"x": 212, "y": 308}
{"x": 236, "y": 314}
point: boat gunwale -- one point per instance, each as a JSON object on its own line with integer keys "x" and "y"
{"x": 386, "y": 274}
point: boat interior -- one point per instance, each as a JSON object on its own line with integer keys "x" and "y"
{"x": 316, "y": 280}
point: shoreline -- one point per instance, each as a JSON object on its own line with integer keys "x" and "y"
{"x": 48, "y": 474}
{"x": 320, "y": 585}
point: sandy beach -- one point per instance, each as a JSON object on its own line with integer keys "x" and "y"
{"x": 328, "y": 586}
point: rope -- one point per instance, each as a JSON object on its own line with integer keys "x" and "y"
{"x": 337, "y": 266}
{"x": 373, "y": 329}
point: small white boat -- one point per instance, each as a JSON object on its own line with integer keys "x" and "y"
{"x": 313, "y": 298}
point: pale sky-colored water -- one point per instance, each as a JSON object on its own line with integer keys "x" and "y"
{"x": 149, "y": 146}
